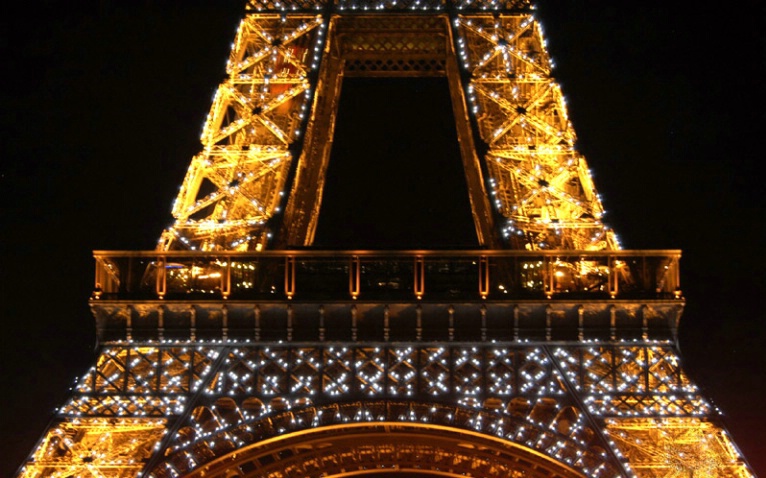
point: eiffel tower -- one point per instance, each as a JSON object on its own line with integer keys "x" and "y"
{"x": 236, "y": 349}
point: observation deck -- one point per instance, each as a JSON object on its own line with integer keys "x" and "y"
{"x": 387, "y": 296}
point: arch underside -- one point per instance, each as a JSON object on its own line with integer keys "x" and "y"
{"x": 383, "y": 449}
{"x": 348, "y": 438}
{"x": 222, "y": 399}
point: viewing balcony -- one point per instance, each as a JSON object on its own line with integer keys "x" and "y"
{"x": 469, "y": 296}
{"x": 387, "y": 275}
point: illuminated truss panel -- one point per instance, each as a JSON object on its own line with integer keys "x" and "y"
{"x": 222, "y": 398}
{"x": 676, "y": 448}
{"x": 95, "y": 448}
{"x": 234, "y": 186}
{"x": 386, "y": 46}
{"x": 502, "y": 90}
{"x": 140, "y": 381}
{"x": 632, "y": 381}
{"x": 263, "y": 393}
{"x": 539, "y": 183}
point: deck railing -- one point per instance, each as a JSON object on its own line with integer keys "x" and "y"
{"x": 387, "y": 275}
{"x": 381, "y": 275}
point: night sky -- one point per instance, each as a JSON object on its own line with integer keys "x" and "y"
{"x": 103, "y": 103}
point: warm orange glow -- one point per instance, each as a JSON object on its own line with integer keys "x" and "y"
{"x": 95, "y": 447}
{"x": 195, "y": 324}
{"x": 368, "y": 448}
{"x": 677, "y": 448}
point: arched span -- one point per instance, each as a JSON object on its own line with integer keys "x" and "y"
{"x": 382, "y": 449}
{"x": 301, "y": 438}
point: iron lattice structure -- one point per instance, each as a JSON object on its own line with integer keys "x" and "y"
{"x": 229, "y": 352}
{"x": 270, "y": 127}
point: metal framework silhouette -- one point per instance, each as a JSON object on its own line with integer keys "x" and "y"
{"x": 237, "y": 350}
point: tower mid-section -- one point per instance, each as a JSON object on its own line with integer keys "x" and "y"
{"x": 236, "y": 349}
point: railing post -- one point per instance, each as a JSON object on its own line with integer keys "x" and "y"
{"x": 226, "y": 280}
{"x": 354, "y": 279}
{"x": 161, "y": 279}
{"x": 419, "y": 284}
{"x": 675, "y": 273}
{"x": 548, "y": 277}
{"x": 100, "y": 283}
{"x": 290, "y": 276}
{"x": 483, "y": 276}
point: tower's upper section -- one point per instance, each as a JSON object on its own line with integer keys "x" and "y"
{"x": 259, "y": 178}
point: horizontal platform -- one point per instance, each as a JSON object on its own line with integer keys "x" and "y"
{"x": 387, "y": 275}
{"x": 387, "y": 295}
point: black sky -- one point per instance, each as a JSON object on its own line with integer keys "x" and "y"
{"x": 103, "y": 103}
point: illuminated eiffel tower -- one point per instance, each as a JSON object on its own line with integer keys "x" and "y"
{"x": 237, "y": 350}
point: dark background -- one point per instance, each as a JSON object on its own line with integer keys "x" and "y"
{"x": 103, "y": 103}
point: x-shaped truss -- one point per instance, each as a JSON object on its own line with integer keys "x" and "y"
{"x": 235, "y": 184}
{"x": 540, "y": 184}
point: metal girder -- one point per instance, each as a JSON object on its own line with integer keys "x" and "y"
{"x": 552, "y": 400}
{"x": 234, "y": 186}
{"x": 539, "y": 184}
{"x": 95, "y": 448}
{"x": 266, "y": 142}
{"x": 682, "y": 447}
